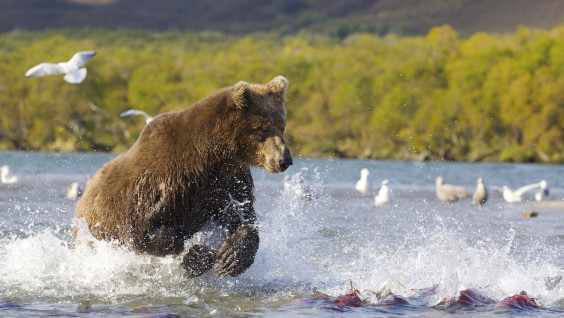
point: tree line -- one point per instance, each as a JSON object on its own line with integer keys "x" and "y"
{"x": 439, "y": 97}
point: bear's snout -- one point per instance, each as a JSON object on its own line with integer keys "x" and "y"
{"x": 277, "y": 155}
{"x": 285, "y": 163}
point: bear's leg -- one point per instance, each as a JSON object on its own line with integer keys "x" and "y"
{"x": 238, "y": 252}
{"x": 160, "y": 240}
{"x": 199, "y": 259}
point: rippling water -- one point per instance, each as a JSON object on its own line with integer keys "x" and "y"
{"x": 416, "y": 247}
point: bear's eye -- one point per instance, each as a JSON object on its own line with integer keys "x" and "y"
{"x": 263, "y": 128}
{"x": 262, "y": 132}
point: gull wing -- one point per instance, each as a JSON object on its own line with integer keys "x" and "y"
{"x": 133, "y": 112}
{"x": 44, "y": 69}
{"x": 526, "y": 188}
{"x": 79, "y": 59}
{"x": 76, "y": 76}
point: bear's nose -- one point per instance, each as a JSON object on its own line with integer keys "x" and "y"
{"x": 285, "y": 163}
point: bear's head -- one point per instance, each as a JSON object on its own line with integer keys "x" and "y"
{"x": 260, "y": 123}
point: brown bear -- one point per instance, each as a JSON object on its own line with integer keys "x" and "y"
{"x": 189, "y": 168}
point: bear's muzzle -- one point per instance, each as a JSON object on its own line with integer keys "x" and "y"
{"x": 277, "y": 155}
{"x": 285, "y": 163}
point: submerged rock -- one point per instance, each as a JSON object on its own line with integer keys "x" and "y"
{"x": 530, "y": 214}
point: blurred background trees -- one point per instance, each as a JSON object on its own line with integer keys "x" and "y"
{"x": 437, "y": 96}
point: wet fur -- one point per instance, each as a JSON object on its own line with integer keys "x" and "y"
{"x": 184, "y": 170}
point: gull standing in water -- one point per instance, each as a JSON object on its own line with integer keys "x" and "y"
{"x": 516, "y": 196}
{"x": 135, "y": 112}
{"x": 481, "y": 194}
{"x": 449, "y": 193}
{"x": 6, "y": 176}
{"x": 383, "y": 196}
{"x": 295, "y": 187}
{"x": 74, "y": 192}
{"x": 362, "y": 184}
{"x": 74, "y": 74}
{"x": 543, "y": 192}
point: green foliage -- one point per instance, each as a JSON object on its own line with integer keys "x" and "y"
{"x": 440, "y": 96}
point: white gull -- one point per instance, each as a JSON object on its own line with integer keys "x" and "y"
{"x": 74, "y": 192}
{"x": 74, "y": 74}
{"x": 448, "y": 192}
{"x": 362, "y": 183}
{"x": 517, "y": 195}
{"x": 383, "y": 196}
{"x": 6, "y": 176}
{"x": 135, "y": 112}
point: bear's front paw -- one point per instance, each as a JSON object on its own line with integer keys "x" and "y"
{"x": 237, "y": 253}
{"x": 198, "y": 260}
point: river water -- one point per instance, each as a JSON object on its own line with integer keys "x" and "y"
{"x": 415, "y": 247}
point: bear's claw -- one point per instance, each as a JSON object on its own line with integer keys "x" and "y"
{"x": 237, "y": 253}
{"x": 198, "y": 260}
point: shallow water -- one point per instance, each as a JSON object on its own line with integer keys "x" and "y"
{"x": 415, "y": 247}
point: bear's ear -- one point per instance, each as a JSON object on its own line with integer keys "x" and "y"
{"x": 278, "y": 86}
{"x": 240, "y": 95}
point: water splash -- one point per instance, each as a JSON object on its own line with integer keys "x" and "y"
{"x": 418, "y": 250}
{"x": 45, "y": 263}
{"x": 445, "y": 262}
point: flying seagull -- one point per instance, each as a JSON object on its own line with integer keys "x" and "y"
{"x": 74, "y": 74}
{"x": 134, "y": 112}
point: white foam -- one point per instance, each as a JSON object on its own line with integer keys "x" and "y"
{"x": 301, "y": 250}
{"x": 446, "y": 261}
{"x": 46, "y": 265}
{"x": 43, "y": 264}
{"x": 286, "y": 228}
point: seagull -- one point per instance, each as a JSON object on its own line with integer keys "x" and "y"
{"x": 516, "y": 196}
{"x": 362, "y": 184}
{"x": 543, "y": 192}
{"x": 297, "y": 188}
{"x": 74, "y": 74}
{"x": 481, "y": 194}
{"x": 74, "y": 192}
{"x": 134, "y": 112}
{"x": 383, "y": 196}
{"x": 449, "y": 193}
{"x": 6, "y": 177}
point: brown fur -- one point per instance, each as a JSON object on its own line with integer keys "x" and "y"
{"x": 185, "y": 166}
